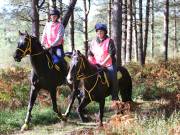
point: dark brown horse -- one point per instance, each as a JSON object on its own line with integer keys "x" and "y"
{"x": 97, "y": 83}
{"x": 45, "y": 75}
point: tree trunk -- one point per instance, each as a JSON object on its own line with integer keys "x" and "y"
{"x": 124, "y": 31}
{"x": 60, "y": 6}
{"x": 109, "y": 17}
{"x": 152, "y": 28}
{"x": 116, "y": 27}
{"x": 129, "y": 31}
{"x": 135, "y": 31}
{"x": 69, "y": 12}
{"x": 140, "y": 36}
{"x": 175, "y": 48}
{"x": 72, "y": 32}
{"x": 35, "y": 18}
{"x": 146, "y": 31}
{"x": 85, "y": 31}
{"x": 52, "y": 3}
{"x": 166, "y": 29}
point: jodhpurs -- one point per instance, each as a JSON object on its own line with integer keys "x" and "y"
{"x": 113, "y": 76}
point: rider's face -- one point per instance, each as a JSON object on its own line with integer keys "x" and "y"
{"x": 54, "y": 18}
{"x": 100, "y": 34}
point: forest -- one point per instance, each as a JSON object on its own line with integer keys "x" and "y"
{"x": 146, "y": 35}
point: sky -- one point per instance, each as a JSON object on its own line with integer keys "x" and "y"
{"x": 2, "y": 3}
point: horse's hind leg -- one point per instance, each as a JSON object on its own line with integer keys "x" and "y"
{"x": 33, "y": 96}
{"x": 53, "y": 98}
{"x": 84, "y": 103}
{"x": 101, "y": 112}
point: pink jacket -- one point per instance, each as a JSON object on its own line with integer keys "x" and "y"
{"x": 53, "y": 34}
{"x": 100, "y": 51}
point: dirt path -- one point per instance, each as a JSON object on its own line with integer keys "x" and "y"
{"x": 61, "y": 128}
{"x": 144, "y": 110}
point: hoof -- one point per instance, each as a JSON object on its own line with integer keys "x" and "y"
{"x": 100, "y": 124}
{"x": 24, "y": 127}
{"x": 63, "y": 118}
{"x": 86, "y": 119}
{"x": 64, "y": 115}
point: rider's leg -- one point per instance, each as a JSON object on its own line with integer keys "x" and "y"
{"x": 61, "y": 63}
{"x": 113, "y": 76}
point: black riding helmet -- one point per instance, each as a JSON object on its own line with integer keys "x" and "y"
{"x": 54, "y": 11}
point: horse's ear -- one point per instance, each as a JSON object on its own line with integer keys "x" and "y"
{"x": 74, "y": 51}
{"x": 20, "y": 33}
{"x": 26, "y": 33}
{"x": 78, "y": 52}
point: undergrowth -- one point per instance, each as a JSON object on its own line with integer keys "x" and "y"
{"x": 156, "y": 87}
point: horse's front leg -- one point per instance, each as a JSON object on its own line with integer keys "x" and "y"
{"x": 83, "y": 104}
{"x": 101, "y": 112}
{"x": 33, "y": 95}
{"x": 54, "y": 102}
{"x": 74, "y": 94}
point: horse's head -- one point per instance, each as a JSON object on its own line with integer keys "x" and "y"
{"x": 76, "y": 66}
{"x": 24, "y": 46}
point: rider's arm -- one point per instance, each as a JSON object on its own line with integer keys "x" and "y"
{"x": 59, "y": 37}
{"x": 44, "y": 37}
{"x": 111, "y": 51}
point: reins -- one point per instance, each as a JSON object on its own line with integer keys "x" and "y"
{"x": 28, "y": 50}
{"x": 82, "y": 77}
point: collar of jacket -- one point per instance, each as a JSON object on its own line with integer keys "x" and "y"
{"x": 101, "y": 40}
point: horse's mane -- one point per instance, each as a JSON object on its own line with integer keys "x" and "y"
{"x": 32, "y": 36}
{"x": 87, "y": 62}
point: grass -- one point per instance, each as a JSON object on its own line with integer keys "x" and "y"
{"x": 150, "y": 119}
{"x": 159, "y": 125}
{"x": 13, "y": 120}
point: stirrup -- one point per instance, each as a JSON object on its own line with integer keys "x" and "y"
{"x": 57, "y": 67}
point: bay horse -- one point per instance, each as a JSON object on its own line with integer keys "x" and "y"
{"x": 97, "y": 83}
{"x": 44, "y": 75}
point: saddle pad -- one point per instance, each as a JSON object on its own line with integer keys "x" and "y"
{"x": 67, "y": 59}
{"x": 119, "y": 75}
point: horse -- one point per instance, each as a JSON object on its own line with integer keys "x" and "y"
{"x": 97, "y": 83}
{"x": 45, "y": 74}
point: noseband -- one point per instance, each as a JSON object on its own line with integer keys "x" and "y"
{"x": 28, "y": 49}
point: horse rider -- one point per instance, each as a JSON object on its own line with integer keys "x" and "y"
{"x": 102, "y": 51}
{"x": 53, "y": 38}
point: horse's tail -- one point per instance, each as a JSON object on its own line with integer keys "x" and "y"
{"x": 125, "y": 84}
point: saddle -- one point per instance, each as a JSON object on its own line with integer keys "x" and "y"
{"x": 60, "y": 64}
{"x": 103, "y": 73}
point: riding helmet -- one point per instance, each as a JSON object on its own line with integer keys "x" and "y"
{"x": 54, "y": 11}
{"x": 101, "y": 26}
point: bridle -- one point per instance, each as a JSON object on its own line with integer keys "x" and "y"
{"x": 83, "y": 77}
{"x": 81, "y": 67}
{"x": 28, "y": 49}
